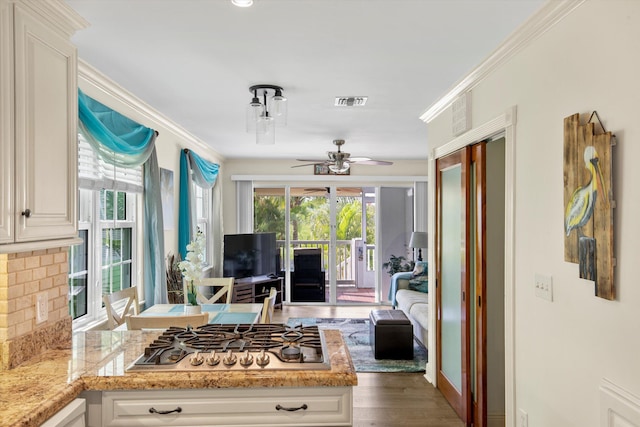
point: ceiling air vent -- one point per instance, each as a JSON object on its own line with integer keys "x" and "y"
{"x": 351, "y": 101}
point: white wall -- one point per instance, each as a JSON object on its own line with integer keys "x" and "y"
{"x": 589, "y": 60}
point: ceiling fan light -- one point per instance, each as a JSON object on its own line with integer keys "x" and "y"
{"x": 339, "y": 167}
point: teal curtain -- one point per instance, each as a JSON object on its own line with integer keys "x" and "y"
{"x": 116, "y": 138}
{"x": 126, "y": 143}
{"x": 193, "y": 168}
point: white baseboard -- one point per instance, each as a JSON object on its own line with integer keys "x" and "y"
{"x": 496, "y": 419}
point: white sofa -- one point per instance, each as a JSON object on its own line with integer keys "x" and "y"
{"x": 414, "y": 304}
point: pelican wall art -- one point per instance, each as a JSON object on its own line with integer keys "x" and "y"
{"x": 588, "y": 207}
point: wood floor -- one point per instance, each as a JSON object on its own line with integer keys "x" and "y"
{"x": 385, "y": 399}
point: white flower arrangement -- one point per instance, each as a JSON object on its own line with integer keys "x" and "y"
{"x": 191, "y": 268}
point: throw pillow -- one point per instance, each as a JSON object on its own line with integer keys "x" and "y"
{"x": 419, "y": 285}
{"x": 420, "y": 269}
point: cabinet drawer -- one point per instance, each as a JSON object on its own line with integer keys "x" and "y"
{"x": 320, "y": 406}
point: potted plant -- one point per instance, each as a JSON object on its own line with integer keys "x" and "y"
{"x": 191, "y": 269}
{"x": 397, "y": 264}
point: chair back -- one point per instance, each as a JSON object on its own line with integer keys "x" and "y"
{"x": 224, "y": 285}
{"x": 268, "y": 306}
{"x": 164, "y": 322}
{"x": 115, "y": 318}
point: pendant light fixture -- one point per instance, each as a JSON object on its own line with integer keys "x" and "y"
{"x": 264, "y": 114}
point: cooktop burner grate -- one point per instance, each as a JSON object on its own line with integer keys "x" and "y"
{"x": 239, "y": 346}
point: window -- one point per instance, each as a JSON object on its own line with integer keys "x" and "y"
{"x": 117, "y": 231}
{"x": 105, "y": 261}
{"x": 79, "y": 276}
{"x": 203, "y": 220}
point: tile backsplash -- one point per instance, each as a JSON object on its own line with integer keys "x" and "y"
{"x": 24, "y": 276}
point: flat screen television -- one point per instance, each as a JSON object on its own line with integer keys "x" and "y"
{"x": 250, "y": 254}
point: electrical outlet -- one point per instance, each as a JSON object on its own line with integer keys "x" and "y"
{"x": 42, "y": 307}
{"x": 544, "y": 287}
{"x": 523, "y": 418}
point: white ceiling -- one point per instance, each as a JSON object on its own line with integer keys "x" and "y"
{"x": 194, "y": 60}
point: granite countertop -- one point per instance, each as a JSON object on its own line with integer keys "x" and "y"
{"x": 34, "y": 391}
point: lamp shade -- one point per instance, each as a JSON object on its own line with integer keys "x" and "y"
{"x": 418, "y": 239}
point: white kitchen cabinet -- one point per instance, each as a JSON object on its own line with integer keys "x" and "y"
{"x": 72, "y": 415}
{"x": 308, "y": 406}
{"x": 38, "y": 121}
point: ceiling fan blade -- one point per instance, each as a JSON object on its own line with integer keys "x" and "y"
{"x": 367, "y": 161}
{"x": 313, "y": 160}
{"x": 306, "y": 164}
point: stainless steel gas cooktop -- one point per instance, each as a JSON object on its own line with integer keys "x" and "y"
{"x": 235, "y": 347}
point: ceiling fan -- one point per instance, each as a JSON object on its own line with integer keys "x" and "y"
{"x": 339, "y": 161}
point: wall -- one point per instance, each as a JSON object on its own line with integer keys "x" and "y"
{"x": 494, "y": 298}
{"x": 563, "y": 349}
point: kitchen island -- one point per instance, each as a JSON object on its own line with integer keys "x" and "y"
{"x": 37, "y": 389}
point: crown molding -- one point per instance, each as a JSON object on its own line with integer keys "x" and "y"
{"x": 101, "y": 82}
{"x": 550, "y": 14}
{"x": 59, "y": 14}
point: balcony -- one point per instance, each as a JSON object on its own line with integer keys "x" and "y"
{"x": 354, "y": 273}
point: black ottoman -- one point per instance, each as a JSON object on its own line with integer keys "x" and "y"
{"x": 391, "y": 335}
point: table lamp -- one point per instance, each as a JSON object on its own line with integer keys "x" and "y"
{"x": 418, "y": 240}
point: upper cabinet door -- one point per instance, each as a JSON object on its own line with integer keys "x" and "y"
{"x": 45, "y": 131}
{"x": 6, "y": 123}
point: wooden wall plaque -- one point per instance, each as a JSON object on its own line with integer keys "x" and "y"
{"x": 588, "y": 203}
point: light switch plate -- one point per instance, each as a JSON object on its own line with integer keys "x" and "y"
{"x": 544, "y": 286}
{"x": 42, "y": 307}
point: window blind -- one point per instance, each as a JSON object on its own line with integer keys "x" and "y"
{"x": 94, "y": 173}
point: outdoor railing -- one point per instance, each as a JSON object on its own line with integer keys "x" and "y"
{"x": 345, "y": 268}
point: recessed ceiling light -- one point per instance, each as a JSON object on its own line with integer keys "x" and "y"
{"x": 242, "y": 3}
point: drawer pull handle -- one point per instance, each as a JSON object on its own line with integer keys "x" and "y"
{"x": 282, "y": 408}
{"x": 155, "y": 411}
{"x": 26, "y": 213}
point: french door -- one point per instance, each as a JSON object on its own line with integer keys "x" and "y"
{"x": 460, "y": 282}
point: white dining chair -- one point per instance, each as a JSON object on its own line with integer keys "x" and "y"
{"x": 115, "y": 313}
{"x": 268, "y": 306}
{"x": 163, "y": 322}
{"x": 218, "y": 286}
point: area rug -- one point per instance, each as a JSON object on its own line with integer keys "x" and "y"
{"x": 356, "y": 335}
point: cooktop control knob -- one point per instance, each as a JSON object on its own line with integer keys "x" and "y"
{"x": 213, "y": 359}
{"x": 196, "y": 359}
{"x": 262, "y": 359}
{"x": 230, "y": 359}
{"x": 247, "y": 359}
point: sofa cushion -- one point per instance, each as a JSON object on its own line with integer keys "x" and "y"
{"x": 420, "y": 313}
{"x": 407, "y": 298}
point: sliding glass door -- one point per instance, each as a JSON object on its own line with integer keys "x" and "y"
{"x": 334, "y": 226}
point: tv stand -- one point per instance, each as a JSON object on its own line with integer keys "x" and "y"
{"x": 255, "y": 289}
